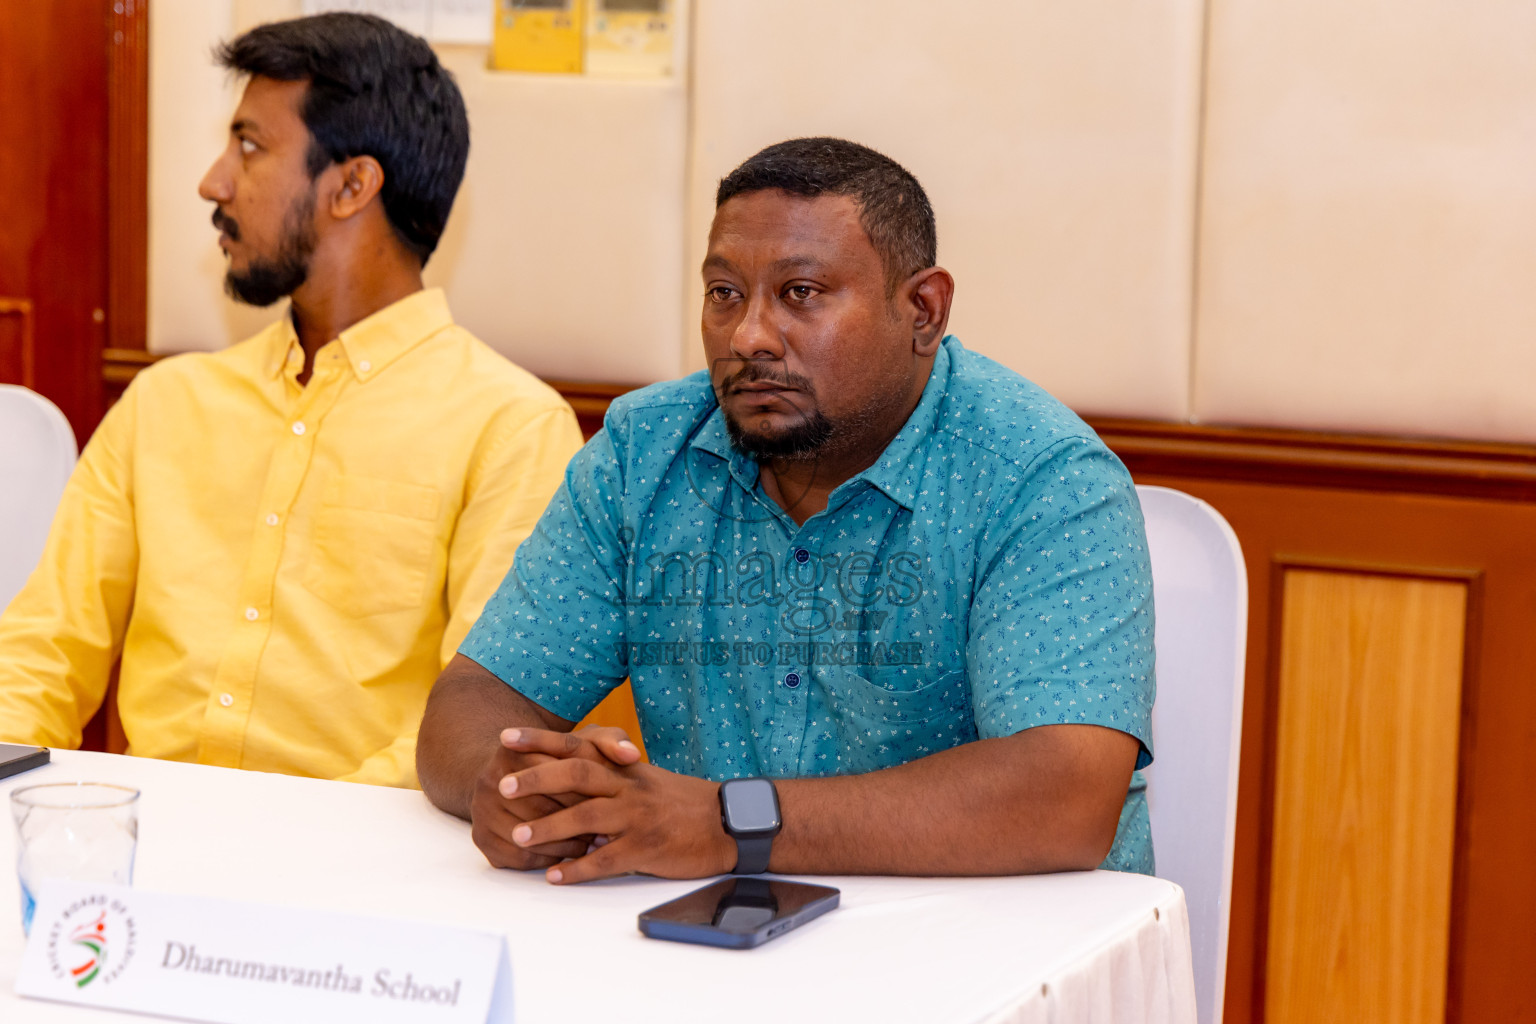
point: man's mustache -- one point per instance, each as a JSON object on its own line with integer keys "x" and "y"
{"x": 226, "y": 224}
{"x": 753, "y": 372}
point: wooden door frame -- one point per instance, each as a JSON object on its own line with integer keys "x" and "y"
{"x": 127, "y": 37}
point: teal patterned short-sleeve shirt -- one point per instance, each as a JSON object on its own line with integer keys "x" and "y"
{"x": 986, "y": 575}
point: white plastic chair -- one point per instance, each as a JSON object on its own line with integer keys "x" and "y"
{"x": 37, "y": 454}
{"x": 1201, "y": 590}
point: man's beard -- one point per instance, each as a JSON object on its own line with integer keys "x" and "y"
{"x": 815, "y": 436}
{"x": 265, "y": 281}
{"x": 801, "y": 442}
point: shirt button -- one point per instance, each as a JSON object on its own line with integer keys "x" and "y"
{"x": 226, "y": 699}
{"x": 802, "y": 556}
{"x": 271, "y": 518}
{"x": 251, "y": 614}
{"x": 365, "y": 366}
{"x": 298, "y": 428}
{"x": 792, "y": 680}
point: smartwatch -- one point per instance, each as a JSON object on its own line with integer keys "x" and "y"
{"x": 749, "y": 813}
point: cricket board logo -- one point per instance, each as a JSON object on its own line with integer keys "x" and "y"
{"x": 91, "y": 942}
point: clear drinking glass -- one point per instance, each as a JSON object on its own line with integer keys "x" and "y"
{"x": 84, "y": 831}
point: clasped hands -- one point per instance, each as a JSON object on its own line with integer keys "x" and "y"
{"x": 582, "y": 806}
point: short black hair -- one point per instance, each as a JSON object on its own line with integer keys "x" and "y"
{"x": 374, "y": 90}
{"x": 893, "y": 208}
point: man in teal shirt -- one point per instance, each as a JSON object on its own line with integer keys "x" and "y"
{"x": 889, "y": 575}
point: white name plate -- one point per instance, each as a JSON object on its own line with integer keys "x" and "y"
{"x": 232, "y": 963}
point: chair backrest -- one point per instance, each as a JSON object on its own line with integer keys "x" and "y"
{"x": 37, "y": 453}
{"x": 1201, "y": 590}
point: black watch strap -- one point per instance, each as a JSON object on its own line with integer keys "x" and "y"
{"x": 752, "y": 855}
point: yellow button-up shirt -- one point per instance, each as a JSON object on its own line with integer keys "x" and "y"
{"x": 283, "y": 569}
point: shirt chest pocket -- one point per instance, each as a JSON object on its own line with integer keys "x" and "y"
{"x": 880, "y": 728}
{"x": 373, "y": 545}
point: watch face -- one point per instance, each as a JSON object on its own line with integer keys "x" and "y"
{"x": 751, "y": 806}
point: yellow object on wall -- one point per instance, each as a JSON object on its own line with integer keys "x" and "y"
{"x": 630, "y": 38}
{"x": 538, "y": 35}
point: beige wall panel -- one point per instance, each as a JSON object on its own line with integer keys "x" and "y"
{"x": 565, "y": 247}
{"x": 1057, "y": 141}
{"x": 1368, "y": 218}
{"x": 1364, "y": 798}
{"x": 190, "y": 101}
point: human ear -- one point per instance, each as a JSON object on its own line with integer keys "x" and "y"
{"x": 930, "y": 293}
{"x": 360, "y": 179}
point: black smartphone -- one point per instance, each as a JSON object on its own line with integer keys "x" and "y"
{"x": 738, "y": 913}
{"x": 15, "y": 759}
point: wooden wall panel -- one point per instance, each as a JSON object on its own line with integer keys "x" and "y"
{"x": 128, "y": 173}
{"x": 1364, "y": 801}
{"x": 18, "y": 353}
{"x": 617, "y": 710}
{"x": 1453, "y": 509}
{"x": 54, "y": 171}
{"x": 1495, "y": 833}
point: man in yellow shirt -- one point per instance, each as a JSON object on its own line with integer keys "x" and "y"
{"x": 281, "y": 544}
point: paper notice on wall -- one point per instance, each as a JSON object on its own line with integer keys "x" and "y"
{"x": 440, "y": 21}
{"x": 411, "y": 15}
{"x": 462, "y": 21}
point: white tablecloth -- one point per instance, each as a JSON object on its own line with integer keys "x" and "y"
{"x": 1088, "y": 947}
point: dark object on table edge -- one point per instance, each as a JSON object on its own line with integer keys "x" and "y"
{"x": 738, "y": 913}
{"x": 16, "y": 758}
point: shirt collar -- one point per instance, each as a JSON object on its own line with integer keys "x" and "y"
{"x": 897, "y": 469}
{"x": 375, "y": 341}
{"x": 283, "y": 347}
{"x": 713, "y": 438}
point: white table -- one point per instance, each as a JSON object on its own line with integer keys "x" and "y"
{"x": 1091, "y": 947}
